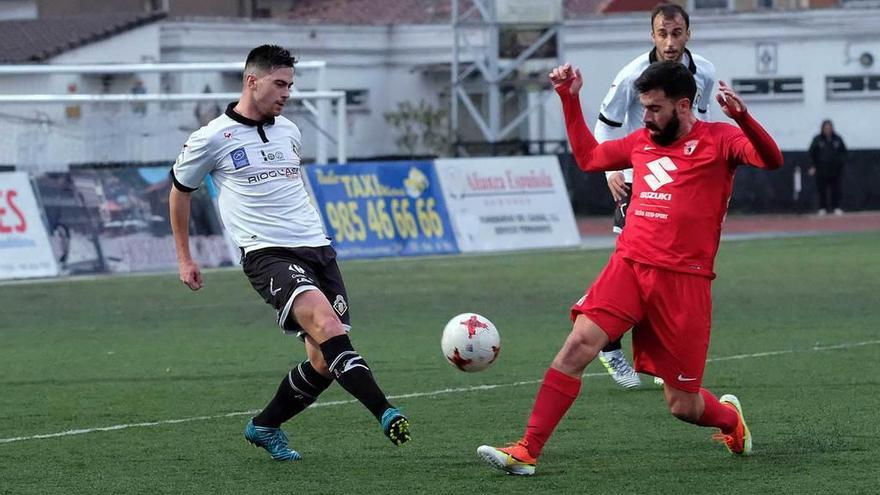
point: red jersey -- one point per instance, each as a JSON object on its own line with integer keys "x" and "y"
{"x": 679, "y": 192}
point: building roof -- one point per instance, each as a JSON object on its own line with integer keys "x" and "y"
{"x": 37, "y": 40}
{"x": 358, "y": 12}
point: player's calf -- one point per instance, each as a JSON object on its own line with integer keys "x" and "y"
{"x": 354, "y": 375}
{"x": 298, "y": 390}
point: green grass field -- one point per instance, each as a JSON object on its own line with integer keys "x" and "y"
{"x": 801, "y": 315}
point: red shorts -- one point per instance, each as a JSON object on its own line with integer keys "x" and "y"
{"x": 670, "y": 314}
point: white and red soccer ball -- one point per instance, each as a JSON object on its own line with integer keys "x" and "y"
{"x": 470, "y": 342}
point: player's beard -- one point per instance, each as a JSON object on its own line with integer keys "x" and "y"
{"x": 668, "y": 134}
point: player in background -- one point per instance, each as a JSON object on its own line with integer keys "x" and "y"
{"x": 253, "y": 155}
{"x": 658, "y": 279}
{"x": 621, "y": 113}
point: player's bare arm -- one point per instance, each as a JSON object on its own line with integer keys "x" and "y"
{"x": 179, "y": 205}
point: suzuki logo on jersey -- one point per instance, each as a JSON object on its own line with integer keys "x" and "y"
{"x": 656, "y": 195}
{"x": 658, "y": 176}
{"x": 239, "y": 158}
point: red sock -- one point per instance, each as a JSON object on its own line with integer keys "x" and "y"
{"x": 556, "y": 395}
{"x": 716, "y": 414}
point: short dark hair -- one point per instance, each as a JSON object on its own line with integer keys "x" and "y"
{"x": 267, "y": 58}
{"x": 672, "y": 77}
{"x": 669, "y": 11}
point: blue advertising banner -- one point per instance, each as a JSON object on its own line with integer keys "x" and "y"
{"x": 383, "y": 208}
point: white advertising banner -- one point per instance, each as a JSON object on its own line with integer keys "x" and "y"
{"x": 24, "y": 244}
{"x": 504, "y": 203}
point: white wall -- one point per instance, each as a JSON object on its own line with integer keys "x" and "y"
{"x": 44, "y": 137}
{"x": 395, "y": 64}
{"x": 390, "y": 62}
{"x": 376, "y": 58}
{"x": 18, "y": 9}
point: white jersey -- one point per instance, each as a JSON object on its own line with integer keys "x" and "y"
{"x": 621, "y": 112}
{"x": 260, "y": 190}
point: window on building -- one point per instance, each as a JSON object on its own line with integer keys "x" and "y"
{"x": 846, "y": 87}
{"x": 710, "y": 5}
{"x": 771, "y": 89}
{"x": 857, "y": 4}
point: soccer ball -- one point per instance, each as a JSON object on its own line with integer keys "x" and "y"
{"x": 470, "y": 342}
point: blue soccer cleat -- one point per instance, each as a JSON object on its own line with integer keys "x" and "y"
{"x": 272, "y": 439}
{"x": 395, "y": 425}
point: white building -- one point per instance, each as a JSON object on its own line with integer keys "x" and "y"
{"x": 796, "y": 68}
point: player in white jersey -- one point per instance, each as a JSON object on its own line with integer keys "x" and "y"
{"x": 621, "y": 113}
{"x": 253, "y": 155}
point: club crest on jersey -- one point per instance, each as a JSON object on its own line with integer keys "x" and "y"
{"x": 690, "y": 146}
{"x": 340, "y": 305}
{"x": 239, "y": 158}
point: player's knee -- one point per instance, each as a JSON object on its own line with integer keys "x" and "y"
{"x": 577, "y": 352}
{"x": 587, "y": 343}
{"x": 327, "y": 324}
{"x": 319, "y": 320}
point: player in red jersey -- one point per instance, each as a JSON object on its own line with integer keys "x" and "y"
{"x": 658, "y": 278}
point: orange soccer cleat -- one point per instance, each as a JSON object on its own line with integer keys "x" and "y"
{"x": 739, "y": 441}
{"x": 513, "y": 459}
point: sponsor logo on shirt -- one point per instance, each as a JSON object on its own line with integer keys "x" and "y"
{"x": 239, "y": 158}
{"x": 284, "y": 173}
{"x": 271, "y": 156}
{"x": 658, "y": 176}
{"x": 656, "y": 195}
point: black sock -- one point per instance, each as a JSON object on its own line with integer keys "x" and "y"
{"x": 353, "y": 374}
{"x": 298, "y": 390}
{"x": 612, "y": 346}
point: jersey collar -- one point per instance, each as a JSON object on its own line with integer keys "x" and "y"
{"x": 241, "y": 119}
{"x": 652, "y": 57}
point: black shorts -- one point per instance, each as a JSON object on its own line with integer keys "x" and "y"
{"x": 620, "y": 211}
{"x": 280, "y": 274}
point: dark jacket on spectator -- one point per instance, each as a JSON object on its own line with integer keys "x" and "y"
{"x": 828, "y": 155}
